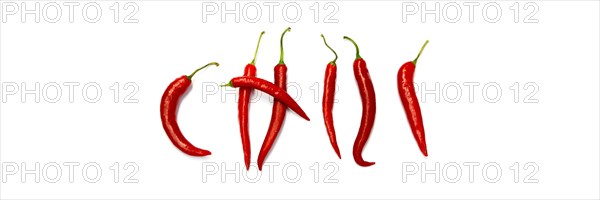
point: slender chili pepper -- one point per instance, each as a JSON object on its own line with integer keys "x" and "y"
{"x": 367, "y": 94}
{"x": 329, "y": 98}
{"x": 410, "y": 102}
{"x": 279, "y": 110}
{"x": 267, "y": 87}
{"x": 243, "y": 105}
{"x": 168, "y": 113}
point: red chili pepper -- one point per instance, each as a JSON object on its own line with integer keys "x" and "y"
{"x": 278, "y": 112}
{"x": 243, "y": 104}
{"x": 329, "y": 98}
{"x": 367, "y": 95}
{"x": 168, "y": 113}
{"x": 410, "y": 102}
{"x": 267, "y": 87}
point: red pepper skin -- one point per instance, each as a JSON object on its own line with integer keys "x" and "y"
{"x": 243, "y": 106}
{"x": 277, "y": 115}
{"x": 367, "y": 95}
{"x": 279, "y": 109}
{"x": 410, "y": 103}
{"x": 269, "y": 88}
{"x": 168, "y": 115}
{"x": 328, "y": 100}
{"x": 406, "y": 89}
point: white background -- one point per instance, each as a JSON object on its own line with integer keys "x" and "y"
{"x": 559, "y": 134}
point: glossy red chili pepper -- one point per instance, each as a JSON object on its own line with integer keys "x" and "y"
{"x": 410, "y": 102}
{"x": 243, "y": 106}
{"x": 279, "y": 109}
{"x": 269, "y": 88}
{"x": 329, "y": 98}
{"x": 367, "y": 95}
{"x": 168, "y": 113}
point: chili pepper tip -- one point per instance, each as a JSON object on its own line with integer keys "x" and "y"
{"x": 424, "y": 151}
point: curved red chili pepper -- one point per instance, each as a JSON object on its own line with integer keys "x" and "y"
{"x": 329, "y": 98}
{"x": 367, "y": 94}
{"x": 410, "y": 102}
{"x": 243, "y": 106}
{"x": 168, "y": 113}
{"x": 279, "y": 109}
{"x": 267, "y": 87}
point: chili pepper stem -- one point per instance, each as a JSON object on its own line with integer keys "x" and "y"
{"x": 209, "y": 64}
{"x": 355, "y": 45}
{"x": 227, "y": 84}
{"x": 421, "y": 51}
{"x": 336, "y": 56}
{"x": 257, "y": 45}
{"x": 281, "y": 45}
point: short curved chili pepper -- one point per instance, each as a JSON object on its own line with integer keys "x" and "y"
{"x": 329, "y": 98}
{"x": 279, "y": 110}
{"x": 267, "y": 87}
{"x": 408, "y": 96}
{"x": 168, "y": 113}
{"x": 367, "y": 94}
{"x": 243, "y": 106}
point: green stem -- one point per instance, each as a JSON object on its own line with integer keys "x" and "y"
{"x": 355, "y": 45}
{"x": 336, "y": 56}
{"x": 209, "y": 64}
{"x": 257, "y": 45}
{"x": 418, "y": 55}
{"x": 227, "y": 84}
{"x": 281, "y": 45}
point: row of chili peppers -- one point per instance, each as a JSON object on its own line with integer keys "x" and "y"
{"x": 249, "y": 82}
